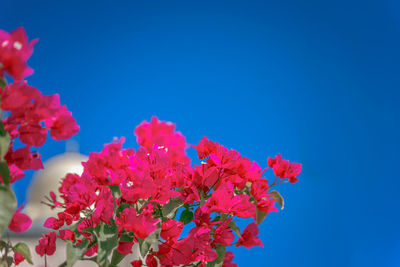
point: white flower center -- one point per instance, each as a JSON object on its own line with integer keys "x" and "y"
{"x": 5, "y": 43}
{"x": 17, "y": 45}
{"x": 163, "y": 148}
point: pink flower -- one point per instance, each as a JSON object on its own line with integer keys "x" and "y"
{"x": 91, "y": 251}
{"x": 223, "y": 200}
{"x": 205, "y": 176}
{"x": 67, "y": 234}
{"x": 202, "y": 217}
{"x": 141, "y": 225}
{"x": 228, "y": 260}
{"x": 151, "y": 261}
{"x": 162, "y": 134}
{"x": 32, "y": 134}
{"x": 161, "y": 193}
{"x": 104, "y": 206}
{"x": 205, "y": 147}
{"x": 18, "y": 258}
{"x": 14, "y": 52}
{"x": 80, "y": 193}
{"x": 284, "y": 169}
{"x": 200, "y": 240}
{"x": 63, "y": 126}
{"x": 267, "y": 205}
{"x": 83, "y": 225}
{"x": 140, "y": 186}
{"x": 53, "y": 223}
{"x": 44, "y": 107}
{"x": 20, "y": 222}
{"x": 125, "y": 247}
{"x": 17, "y": 96}
{"x": 171, "y": 229}
{"x": 223, "y": 234}
{"x": 47, "y": 244}
{"x": 249, "y": 237}
{"x": 137, "y": 263}
{"x": 259, "y": 192}
{"x": 190, "y": 194}
{"x": 182, "y": 251}
{"x": 24, "y": 159}
{"x": 259, "y": 189}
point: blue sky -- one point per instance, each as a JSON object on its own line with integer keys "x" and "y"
{"x": 317, "y": 81}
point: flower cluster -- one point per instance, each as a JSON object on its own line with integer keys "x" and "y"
{"x": 178, "y": 214}
{"x": 15, "y": 50}
{"x": 148, "y": 196}
{"x": 29, "y": 116}
{"x": 32, "y": 115}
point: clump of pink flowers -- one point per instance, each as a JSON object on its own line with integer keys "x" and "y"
{"x": 178, "y": 214}
{"x": 28, "y": 116}
{"x": 148, "y": 196}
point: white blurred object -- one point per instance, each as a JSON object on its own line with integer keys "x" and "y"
{"x": 49, "y": 179}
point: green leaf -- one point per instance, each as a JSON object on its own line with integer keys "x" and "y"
{"x": 235, "y": 228}
{"x": 186, "y": 216}
{"x": 248, "y": 185}
{"x": 8, "y": 205}
{"x": 4, "y": 141}
{"x": 75, "y": 253}
{"x": 157, "y": 213}
{"x": 126, "y": 238}
{"x": 89, "y": 230}
{"x": 116, "y": 190}
{"x": 145, "y": 244}
{"x": 260, "y": 216}
{"x": 4, "y": 144}
{"x": 122, "y": 207}
{"x": 3, "y": 244}
{"x": 203, "y": 197}
{"x": 116, "y": 258}
{"x": 278, "y": 198}
{"x": 107, "y": 241}
{"x": 74, "y": 227}
{"x": 170, "y": 209}
{"x": 3, "y": 131}
{"x": 3, "y": 83}
{"x": 5, "y": 172}
{"x": 220, "y": 259}
{"x": 23, "y": 248}
{"x": 217, "y": 218}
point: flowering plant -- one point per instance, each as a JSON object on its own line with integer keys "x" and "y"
{"x": 146, "y": 197}
{"x": 27, "y": 119}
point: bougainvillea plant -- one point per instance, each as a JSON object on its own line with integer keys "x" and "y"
{"x": 178, "y": 214}
{"x": 26, "y": 118}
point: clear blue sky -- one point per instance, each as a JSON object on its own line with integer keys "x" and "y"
{"x": 317, "y": 81}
